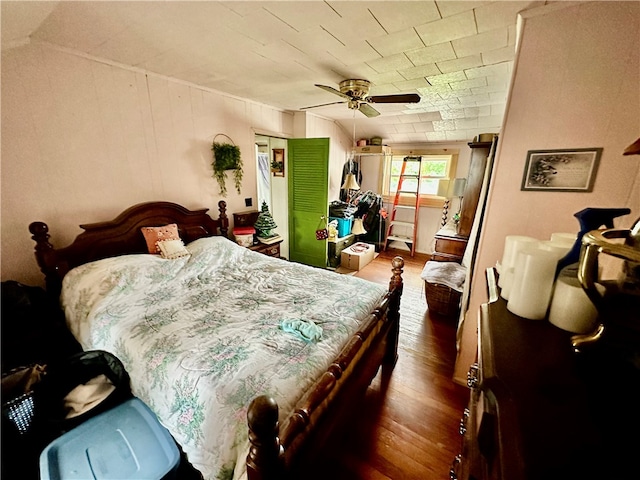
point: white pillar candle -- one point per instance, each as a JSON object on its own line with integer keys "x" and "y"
{"x": 534, "y": 274}
{"x": 513, "y": 244}
{"x": 571, "y": 309}
{"x": 567, "y": 239}
{"x": 559, "y": 249}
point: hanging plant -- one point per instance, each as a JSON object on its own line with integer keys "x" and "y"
{"x": 226, "y": 156}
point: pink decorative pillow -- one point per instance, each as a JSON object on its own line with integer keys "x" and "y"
{"x": 153, "y": 235}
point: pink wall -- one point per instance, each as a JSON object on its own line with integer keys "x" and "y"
{"x": 575, "y": 84}
{"x": 82, "y": 139}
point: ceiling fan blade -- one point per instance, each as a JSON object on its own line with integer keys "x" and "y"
{"x": 333, "y": 90}
{"x": 368, "y": 110}
{"x": 321, "y": 105}
{"x": 400, "y": 98}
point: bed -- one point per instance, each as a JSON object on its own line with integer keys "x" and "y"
{"x": 250, "y": 361}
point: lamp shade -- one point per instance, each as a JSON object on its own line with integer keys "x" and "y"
{"x": 443, "y": 187}
{"x": 350, "y": 183}
{"x": 358, "y": 227}
{"x": 459, "y": 185}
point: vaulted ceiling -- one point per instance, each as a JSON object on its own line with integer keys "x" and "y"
{"x": 457, "y": 55}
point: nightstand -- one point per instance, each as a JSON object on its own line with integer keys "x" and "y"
{"x": 450, "y": 247}
{"x": 271, "y": 250}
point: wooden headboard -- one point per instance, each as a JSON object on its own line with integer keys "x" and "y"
{"x": 121, "y": 236}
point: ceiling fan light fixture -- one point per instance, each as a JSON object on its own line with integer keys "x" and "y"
{"x": 356, "y": 94}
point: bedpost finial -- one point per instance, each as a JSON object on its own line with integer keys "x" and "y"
{"x": 265, "y": 453}
{"x": 397, "y": 264}
{"x": 38, "y": 228}
{"x": 263, "y": 415}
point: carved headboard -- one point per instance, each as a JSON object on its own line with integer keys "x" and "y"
{"x": 121, "y": 236}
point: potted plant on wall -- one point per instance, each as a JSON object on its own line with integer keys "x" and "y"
{"x": 226, "y": 156}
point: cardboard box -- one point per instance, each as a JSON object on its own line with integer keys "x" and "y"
{"x": 357, "y": 256}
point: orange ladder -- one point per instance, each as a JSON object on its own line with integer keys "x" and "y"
{"x": 403, "y": 230}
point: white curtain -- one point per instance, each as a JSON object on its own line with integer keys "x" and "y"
{"x": 264, "y": 184}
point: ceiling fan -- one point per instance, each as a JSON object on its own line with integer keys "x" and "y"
{"x": 356, "y": 95}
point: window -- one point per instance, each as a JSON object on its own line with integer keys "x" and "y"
{"x": 433, "y": 168}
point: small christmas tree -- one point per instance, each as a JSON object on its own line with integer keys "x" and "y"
{"x": 264, "y": 224}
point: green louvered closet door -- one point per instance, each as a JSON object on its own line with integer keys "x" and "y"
{"x": 308, "y": 165}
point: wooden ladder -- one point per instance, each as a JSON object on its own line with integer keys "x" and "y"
{"x": 405, "y": 226}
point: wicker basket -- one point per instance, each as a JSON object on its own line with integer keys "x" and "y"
{"x": 442, "y": 300}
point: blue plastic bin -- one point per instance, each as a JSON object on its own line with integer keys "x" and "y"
{"x": 344, "y": 225}
{"x": 126, "y": 442}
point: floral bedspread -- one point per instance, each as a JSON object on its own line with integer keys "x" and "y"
{"x": 201, "y": 336}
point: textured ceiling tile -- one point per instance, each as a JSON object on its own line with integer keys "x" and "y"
{"x": 500, "y": 55}
{"x": 432, "y": 54}
{"x": 498, "y": 70}
{"x": 274, "y": 52}
{"x": 301, "y": 17}
{"x": 423, "y": 127}
{"x": 412, "y": 118}
{"x": 490, "y": 121}
{"x": 490, "y": 89}
{"x": 405, "y": 128}
{"x": 386, "y": 64}
{"x": 460, "y": 64}
{"x": 355, "y": 23}
{"x": 259, "y": 25}
{"x": 499, "y": 79}
{"x": 436, "y": 89}
{"x": 447, "y": 78}
{"x": 443, "y": 125}
{"x": 484, "y": 111}
{"x": 430, "y": 117}
{"x": 416, "y": 137}
{"x": 480, "y": 99}
{"x": 493, "y": 40}
{"x": 451, "y": 28}
{"x": 419, "y": 72}
{"x": 414, "y": 84}
{"x": 313, "y": 41}
{"x": 455, "y": 114}
{"x": 436, "y": 136}
{"x": 457, "y": 135}
{"x": 82, "y": 25}
{"x": 448, "y": 8}
{"x": 463, "y": 123}
{"x": 397, "y": 42}
{"x": 497, "y": 109}
{"x": 395, "y": 16}
{"x": 356, "y": 52}
{"x": 501, "y": 14}
{"x": 467, "y": 84}
{"x": 382, "y": 79}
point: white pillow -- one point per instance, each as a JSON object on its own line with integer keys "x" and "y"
{"x": 172, "y": 249}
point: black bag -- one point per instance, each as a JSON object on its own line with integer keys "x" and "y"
{"x": 33, "y": 405}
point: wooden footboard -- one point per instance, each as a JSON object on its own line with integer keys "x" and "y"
{"x": 278, "y": 452}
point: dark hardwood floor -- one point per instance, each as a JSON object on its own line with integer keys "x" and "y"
{"x": 408, "y": 428}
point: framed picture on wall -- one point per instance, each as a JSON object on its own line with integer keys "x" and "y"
{"x": 566, "y": 170}
{"x": 277, "y": 162}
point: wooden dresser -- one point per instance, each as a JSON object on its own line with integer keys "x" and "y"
{"x": 450, "y": 245}
{"x": 540, "y": 411}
